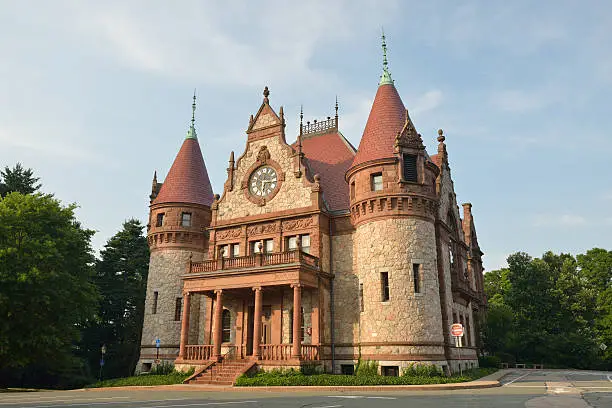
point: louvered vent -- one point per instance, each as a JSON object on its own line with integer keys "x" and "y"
{"x": 410, "y": 167}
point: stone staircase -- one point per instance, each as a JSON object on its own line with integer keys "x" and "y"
{"x": 224, "y": 373}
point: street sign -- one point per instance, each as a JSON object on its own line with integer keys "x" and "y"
{"x": 157, "y": 343}
{"x": 457, "y": 330}
{"x": 603, "y": 347}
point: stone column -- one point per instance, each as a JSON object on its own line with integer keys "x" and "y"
{"x": 257, "y": 323}
{"x": 218, "y": 325}
{"x": 296, "y": 351}
{"x": 184, "y": 325}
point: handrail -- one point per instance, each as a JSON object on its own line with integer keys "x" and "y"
{"x": 255, "y": 260}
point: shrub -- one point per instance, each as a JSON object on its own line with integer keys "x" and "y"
{"x": 162, "y": 369}
{"x": 506, "y": 357}
{"x": 310, "y": 369}
{"x": 366, "y": 368}
{"x": 489, "y": 361}
{"x": 422, "y": 370}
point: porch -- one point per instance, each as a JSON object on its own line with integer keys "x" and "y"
{"x": 263, "y": 307}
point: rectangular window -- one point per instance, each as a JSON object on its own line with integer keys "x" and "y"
{"x": 155, "y": 296}
{"x": 376, "y": 181}
{"x": 384, "y": 286}
{"x": 160, "y": 219}
{"x": 186, "y": 219}
{"x": 253, "y": 247}
{"x": 467, "y": 331}
{"x": 361, "y": 308}
{"x": 353, "y": 190}
{"x": 269, "y": 246}
{"x": 235, "y": 250}
{"x": 347, "y": 369}
{"x": 416, "y": 277}
{"x": 292, "y": 243}
{"x": 390, "y": 371}
{"x": 178, "y": 308}
{"x": 410, "y": 168}
{"x": 306, "y": 243}
{"x": 224, "y": 250}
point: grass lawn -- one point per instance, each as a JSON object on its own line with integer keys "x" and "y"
{"x": 297, "y": 378}
{"x": 145, "y": 379}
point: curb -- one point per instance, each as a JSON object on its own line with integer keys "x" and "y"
{"x": 212, "y": 388}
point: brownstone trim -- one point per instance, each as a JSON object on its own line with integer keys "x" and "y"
{"x": 267, "y": 217}
{"x": 382, "y": 343}
{"x": 393, "y": 357}
{"x": 350, "y": 172}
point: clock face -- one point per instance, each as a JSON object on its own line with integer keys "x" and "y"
{"x": 263, "y": 181}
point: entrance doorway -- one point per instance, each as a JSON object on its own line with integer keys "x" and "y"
{"x": 266, "y": 325}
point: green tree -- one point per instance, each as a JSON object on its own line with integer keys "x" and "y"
{"x": 121, "y": 278}
{"x": 46, "y": 264}
{"x": 19, "y": 180}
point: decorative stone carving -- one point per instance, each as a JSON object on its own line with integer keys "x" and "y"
{"x": 300, "y": 223}
{"x": 228, "y": 234}
{"x": 264, "y": 155}
{"x": 259, "y": 229}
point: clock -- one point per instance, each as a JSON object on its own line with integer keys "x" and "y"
{"x": 263, "y": 181}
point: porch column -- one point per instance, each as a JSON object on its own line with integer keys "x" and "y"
{"x": 316, "y": 319}
{"x": 184, "y": 325}
{"x": 257, "y": 323}
{"x": 218, "y": 325}
{"x": 296, "y": 351}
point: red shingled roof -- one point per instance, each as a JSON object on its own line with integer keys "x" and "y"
{"x": 187, "y": 181}
{"x": 387, "y": 118}
{"x": 330, "y": 155}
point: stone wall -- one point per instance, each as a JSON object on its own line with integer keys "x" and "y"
{"x": 165, "y": 269}
{"x": 393, "y": 246}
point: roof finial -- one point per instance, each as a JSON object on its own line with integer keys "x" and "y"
{"x": 336, "y": 111}
{"x": 301, "y": 118}
{"x": 266, "y": 93}
{"x": 191, "y": 133}
{"x": 385, "y": 78}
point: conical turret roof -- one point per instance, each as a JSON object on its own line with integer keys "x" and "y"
{"x": 386, "y": 120}
{"x": 187, "y": 181}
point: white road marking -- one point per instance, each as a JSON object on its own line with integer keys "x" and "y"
{"x": 329, "y": 406}
{"x": 346, "y": 396}
{"x": 201, "y": 404}
{"x": 516, "y": 379}
{"x": 389, "y": 398}
{"x": 86, "y": 402}
{"x": 61, "y": 399}
{"x": 609, "y": 377}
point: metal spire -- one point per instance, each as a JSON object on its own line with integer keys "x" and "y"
{"x": 191, "y": 133}
{"x": 385, "y": 78}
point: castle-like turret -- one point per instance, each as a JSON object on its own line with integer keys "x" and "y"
{"x": 179, "y": 214}
{"x": 393, "y": 206}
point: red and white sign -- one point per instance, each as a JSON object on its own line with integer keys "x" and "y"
{"x": 457, "y": 330}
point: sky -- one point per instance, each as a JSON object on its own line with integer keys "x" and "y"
{"x": 96, "y": 96}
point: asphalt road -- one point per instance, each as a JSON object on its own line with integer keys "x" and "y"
{"x": 521, "y": 388}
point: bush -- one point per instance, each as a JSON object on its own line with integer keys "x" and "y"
{"x": 366, "y": 368}
{"x": 150, "y": 379}
{"x": 506, "y": 357}
{"x": 489, "y": 361}
{"x": 162, "y": 369}
{"x": 422, "y": 370}
{"x": 289, "y": 378}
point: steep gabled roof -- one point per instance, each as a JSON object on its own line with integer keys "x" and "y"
{"x": 330, "y": 155}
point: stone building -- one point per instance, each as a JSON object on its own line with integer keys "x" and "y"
{"x": 315, "y": 252}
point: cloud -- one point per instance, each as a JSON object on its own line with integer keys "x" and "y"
{"x": 564, "y": 220}
{"x": 520, "y": 101}
{"x": 429, "y": 101}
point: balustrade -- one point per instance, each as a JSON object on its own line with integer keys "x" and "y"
{"x": 198, "y": 352}
{"x": 275, "y": 351}
{"x": 310, "y": 352}
{"x": 252, "y": 261}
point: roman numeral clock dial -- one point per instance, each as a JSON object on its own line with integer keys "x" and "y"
{"x": 263, "y": 181}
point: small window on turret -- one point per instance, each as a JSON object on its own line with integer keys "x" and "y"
{"x": 410, "y": 168}
{"x": 377, "y": 181}
{"x": 353, "y": 190}
{"x": 160, "y": 219}
{"x": 186, "y": 219}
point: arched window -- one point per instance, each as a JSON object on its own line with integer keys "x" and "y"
{"x": 226, "y": 321}
{"x": 301, "y": 325}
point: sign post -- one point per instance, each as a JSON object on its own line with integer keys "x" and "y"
{"x": 457, "y": 332}
{"x": 157, "y": 346}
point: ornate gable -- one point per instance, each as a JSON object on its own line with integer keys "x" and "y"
{"x": 266, "y": 122}
{"x": 408, "y": 137}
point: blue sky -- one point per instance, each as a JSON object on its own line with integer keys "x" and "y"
{"x": 95, "y": 96}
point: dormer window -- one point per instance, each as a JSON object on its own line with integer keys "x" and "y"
{"x": 376, "y": 181}
{"x": 410, "y": 168}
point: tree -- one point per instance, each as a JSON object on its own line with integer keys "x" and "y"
{"x": 46, "y": 264}
{"x": 121, "y": 278}
{"x": 19, "y": 180}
